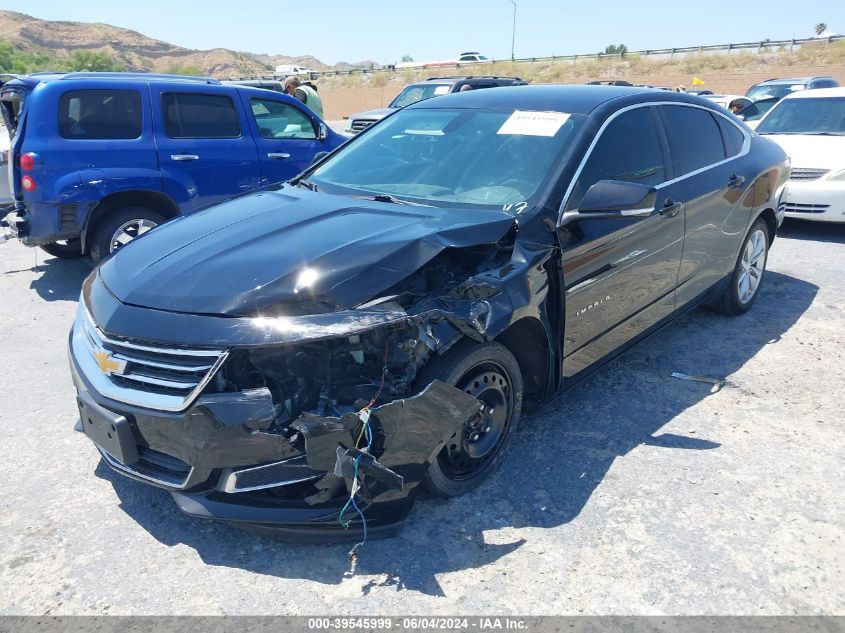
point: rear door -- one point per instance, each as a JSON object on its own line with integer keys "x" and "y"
{"x": 620, "y": 274}
{"x": 287, "y": 137}
{"x": 711, "y": 181}
{"x": 206, "y": 151}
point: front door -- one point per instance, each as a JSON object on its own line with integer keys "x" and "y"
{"x": 286, "y": 136}
{"x": 206, "y": 151}
{"x": 620, "y": 275}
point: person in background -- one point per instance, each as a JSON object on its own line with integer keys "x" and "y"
{"x": 737, "y": 105}
{"x": 305, "y": 92}
{"x": 465, "y": 88}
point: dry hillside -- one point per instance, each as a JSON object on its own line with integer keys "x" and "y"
{"x": 132, "y": 49}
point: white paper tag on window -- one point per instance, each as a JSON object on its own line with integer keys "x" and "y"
{"x": 533, "y": 123}
{"x": 441, "y": 90}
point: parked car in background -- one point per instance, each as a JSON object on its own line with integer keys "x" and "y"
{"x": 286, "y": 70}
{"x": 309, "y": 357}
{"x": 810, "y": 127}
{"x": 610, "y": 82}
{"x": 259, "y": 82}
{"x": 779, "y": 88}
{"x": 100, "y": 158}
{"x": 422, "y": 90}
{"x": 5, "y": 191}
{"x": 473, "y": 57}
{"x": 766, "y": 94}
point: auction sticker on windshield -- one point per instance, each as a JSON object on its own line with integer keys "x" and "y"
{"x": 533, "y": 123}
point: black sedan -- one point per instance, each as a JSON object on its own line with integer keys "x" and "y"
{"x": 309, "y": 357}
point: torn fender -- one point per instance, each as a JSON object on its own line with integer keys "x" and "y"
{"x": 408, "y": 435}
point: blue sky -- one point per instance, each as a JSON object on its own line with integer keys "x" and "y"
{"x": 436, "y": 29}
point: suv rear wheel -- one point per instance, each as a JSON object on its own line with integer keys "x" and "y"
{"x": 65, "y": 249}
{"x": 120, "y": 227}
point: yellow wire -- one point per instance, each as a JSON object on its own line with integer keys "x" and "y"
{"x": 363, "y": 428}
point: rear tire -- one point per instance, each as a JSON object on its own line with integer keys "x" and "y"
{"x": 748, "y": 273}
{"x": 491, "y": 373}
{"x": 66, "y": 249}
{"x": 119, "y": 227}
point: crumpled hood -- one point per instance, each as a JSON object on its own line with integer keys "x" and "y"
{"x": 306, "y": 252}
{"x": 812, "y": 150}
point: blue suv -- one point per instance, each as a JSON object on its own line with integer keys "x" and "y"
{"x": 97, "y": 159}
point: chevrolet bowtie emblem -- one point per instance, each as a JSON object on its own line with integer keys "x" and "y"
{"x": 107, "y": 363}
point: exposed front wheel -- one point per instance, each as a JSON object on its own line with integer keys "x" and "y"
{"x": 65, "y": 249}
{"x": 748, "y": 273}
{"x": 120, "y": 227}
{"x": 490, "y": 373}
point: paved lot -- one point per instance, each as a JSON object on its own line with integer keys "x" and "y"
{"x": 636, "y": 493}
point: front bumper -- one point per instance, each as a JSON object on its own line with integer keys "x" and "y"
{"x": 209, "y": 456}
{"x": 817, "y": 200}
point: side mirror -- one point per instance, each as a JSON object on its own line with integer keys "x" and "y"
{"x": 618, "y": 199}
{"x": 324, "y": 132}
{"x": 318, "y": 157}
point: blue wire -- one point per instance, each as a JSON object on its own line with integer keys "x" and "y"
{"x": 363, "y": 521}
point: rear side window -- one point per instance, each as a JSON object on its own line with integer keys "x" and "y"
{"x": 189, "y": 115}
{"x": 694, "y": 138}
{"x": 732, "y": 137}
{"x": 627, "y": 150}
{"x": 100, "y": 114}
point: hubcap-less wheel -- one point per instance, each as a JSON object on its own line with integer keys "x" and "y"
{"x": 128, "y": 231}
{"x": 752, "y": 265}
{"x": 470, "y": 450}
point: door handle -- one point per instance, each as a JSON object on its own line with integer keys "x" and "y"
{"x": 670, "y": 208}
{"x": 183, "y": 157}
{"x": 736, "y": 181}
{"x": 278, "y": 155}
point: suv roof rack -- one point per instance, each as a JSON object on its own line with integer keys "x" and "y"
{"x": 143, "y": 76}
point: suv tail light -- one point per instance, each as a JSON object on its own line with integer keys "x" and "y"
{"x": 28, "y": 161}
{"x": 28, "y": 183}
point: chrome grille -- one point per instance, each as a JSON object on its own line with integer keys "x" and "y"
{"x": 142, "y": 374}
{"x": 795, "y": 207}
{"x": 359, "y": 125}
{"x": 807, "y": 173}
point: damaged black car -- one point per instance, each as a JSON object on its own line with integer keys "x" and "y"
{"x": 307, "y": 358}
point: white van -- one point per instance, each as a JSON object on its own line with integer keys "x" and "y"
{"x": 287, "y": 70}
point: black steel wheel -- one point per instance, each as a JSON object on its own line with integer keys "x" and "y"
{"x": 491, "y": 374}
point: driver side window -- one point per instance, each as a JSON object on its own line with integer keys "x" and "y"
{"x": 628, "y": 150}
{"x": 275, "y": 119}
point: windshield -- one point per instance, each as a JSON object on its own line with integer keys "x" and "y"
{"x": 418, "y": 92}
{"x": 757, "y": 110}
{"x": 779, "y": 91}
{"x": 452, "y": 157}
{"x": 806, "y": 116}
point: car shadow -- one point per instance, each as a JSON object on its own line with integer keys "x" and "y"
{"x": 808, "y": 230}
{"x": 557, "y": 460}
{"x": 59, "y": 279}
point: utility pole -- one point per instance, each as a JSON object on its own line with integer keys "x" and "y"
{"x": 513, "y": 35}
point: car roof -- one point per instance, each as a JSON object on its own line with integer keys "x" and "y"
{"x": 34, "y": 79}
{"x": 818, "y": 93}
{"x": 573, "y": 99}
{"x": 792, "y": 80}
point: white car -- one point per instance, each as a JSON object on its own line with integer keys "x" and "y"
{"x": 5, "y": 195}
{"x": 810, "y": 127}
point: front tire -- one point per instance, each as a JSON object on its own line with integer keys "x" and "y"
{"x": 748, "y": 272}
{"x": 490, "y": 373}
{"x": 66, "y": 249}
{"x": 120, "y": 227}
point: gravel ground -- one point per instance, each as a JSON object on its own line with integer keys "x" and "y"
{"x": 635, "y": 493}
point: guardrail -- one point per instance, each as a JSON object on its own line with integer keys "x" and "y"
{"x": 651, "y": 52}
